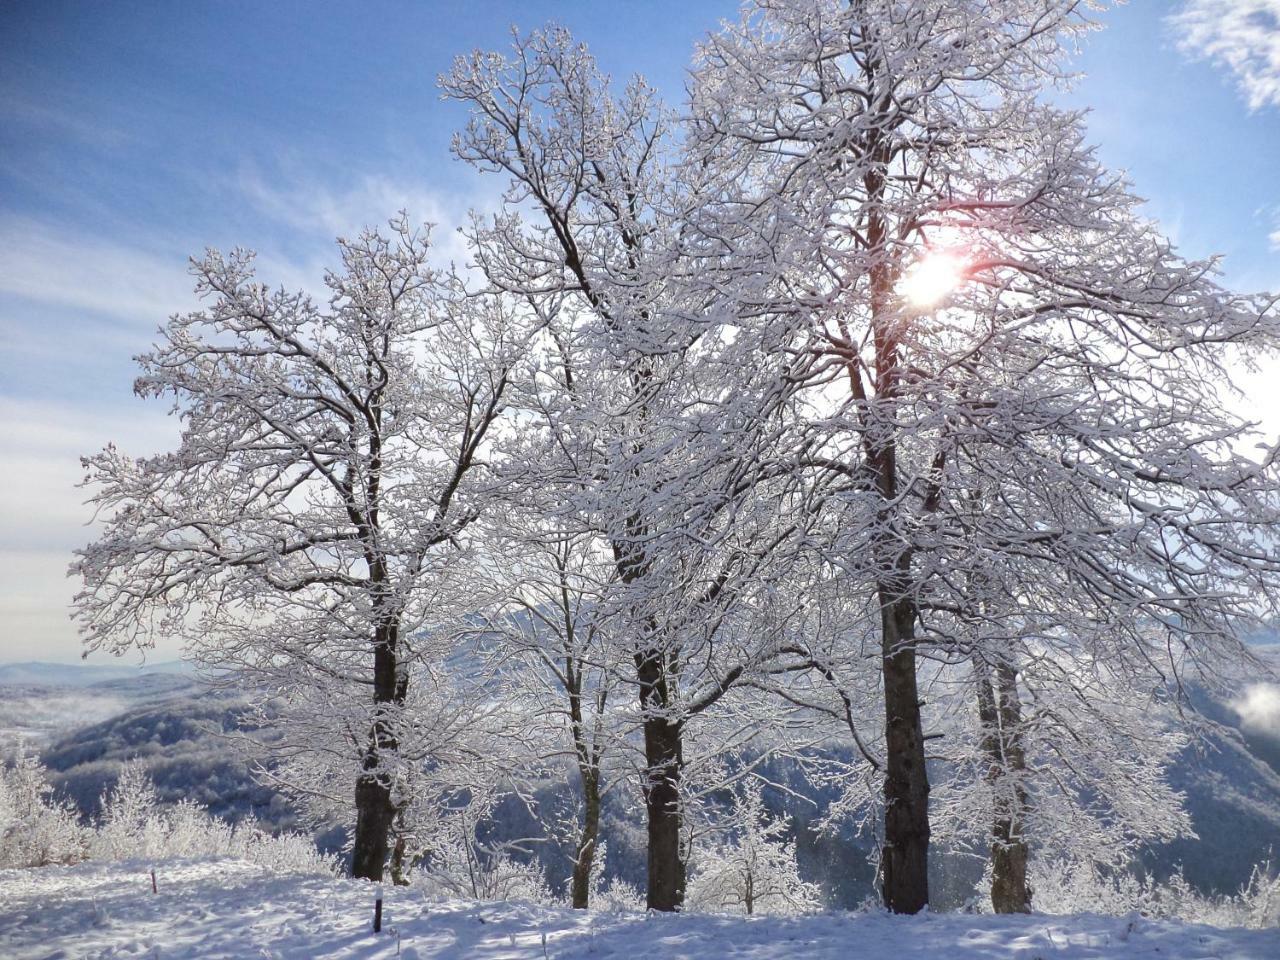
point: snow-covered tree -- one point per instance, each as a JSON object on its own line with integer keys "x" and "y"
{"x": 590, "y": 240}
{"x": 1053, "y": 754}
{"x": 551, "y": 639}
{"x": 752, "y": 866}
{"x": 305, "y": 532}
{"x": 589, "y": 167}
{"x": 998, "y": 362}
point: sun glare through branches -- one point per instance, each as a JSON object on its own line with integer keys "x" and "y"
{"x": 932, "y": 279}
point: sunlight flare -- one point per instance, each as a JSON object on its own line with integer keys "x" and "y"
{"x": 931, "y": 279}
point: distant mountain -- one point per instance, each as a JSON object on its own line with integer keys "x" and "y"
{"x": 40, "y": 702}
{"x": 189, "y": 745}
{"x": 38, "y": 674}
{"x": 183, "y": 733}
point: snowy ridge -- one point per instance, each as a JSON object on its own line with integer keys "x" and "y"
{"x": 39, "y": 673}
{"x": 232, "y": 909}
{"x": 41, "y": 702}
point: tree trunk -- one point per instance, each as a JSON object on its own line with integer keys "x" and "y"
{"x": 904, "y": 861}
{"x": 375, "y": 808}
{"x": 663, "y": 749}
{"x": 398, "y": 876}
{"x": 1010, "y": 889}
{"x": 585, "y": 857}
{"x": 374, "y": 815}
{"x": 1000, "y": 712}
{"x": 663, "y": 744}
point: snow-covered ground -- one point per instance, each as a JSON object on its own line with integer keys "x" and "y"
{"x": 229, "y": 909}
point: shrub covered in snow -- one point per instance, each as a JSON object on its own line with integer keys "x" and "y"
{"x": 616, "y": 895}
{"x": 754, "y": 870}
{"x": 36, "y": 828}
{"x": 135, "y": 825}
{"x": 457, "y": 864}
{"x": 1069, "y": 887}
{"x": 612, "y": 895}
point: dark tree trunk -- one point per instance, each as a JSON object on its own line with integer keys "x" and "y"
{"x": 588, "y": 750}
{"x": 398, "y": 875}
{"x": 663, "y": 743}
{"x": 375, "y": 808}
{"x": 1010, "y": 889}
{"x": 585, "y": 856}
{"x": 374, "y": 815}
{"x": 904, "y": 862}
{"x": 663, "y": 749}
{"x": 1000, "y": 712}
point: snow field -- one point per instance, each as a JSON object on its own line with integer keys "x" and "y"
{"x": 232, "y": 910}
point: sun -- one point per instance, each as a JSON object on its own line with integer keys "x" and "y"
{"x": 931, "y": 278}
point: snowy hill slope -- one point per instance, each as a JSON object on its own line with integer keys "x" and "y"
{"x": 229, "y": 909}
{"x": 191, "y": 748}
{"x": 40, "y": 702}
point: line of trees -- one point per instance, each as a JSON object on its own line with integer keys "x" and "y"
{"x": 854, "y": 405}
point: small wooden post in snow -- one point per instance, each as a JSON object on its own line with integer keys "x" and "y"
{"x": 377, "y": 910}
{"x": 153, "y": 880}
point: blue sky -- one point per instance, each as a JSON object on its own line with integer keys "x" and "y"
{"x": 133, "y": 134}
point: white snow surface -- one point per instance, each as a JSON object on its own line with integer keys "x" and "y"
{"x": 230, "y": 909}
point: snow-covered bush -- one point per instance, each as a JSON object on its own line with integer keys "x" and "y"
{"x": 134, "y": 825}
{"x": 754, "y": 870}
{"x": 131, "y": 824}
{"x": 456, "y": 864}
{"x": 497, "y": 877}
{"x": 1071, "y": 887}
{"x": 36, "y": 828}
{"x": 614, "y": 895}
{"x": 1259, "y": 899}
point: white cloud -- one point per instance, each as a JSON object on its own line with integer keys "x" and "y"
{"x": 326, "y": 211}
{"x": 43, "y": 517}
{"x": 40, "y": 449}
{"x": 64, "y": 268}
{"x": 142, "y": 285}
{"x": 1241, "y": 35}
{"x": 35, "y": 609}
{"x": 1259, "y": 708}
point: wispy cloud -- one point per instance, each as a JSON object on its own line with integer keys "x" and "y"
{"x": 64, "y": 268}
{"x": 40, "y": 449}
{"x": 325, "y": 211}
{"x": 1241, "y": 35}
{"x": 43, "y": 517}
{"x": 80, "y": 124}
